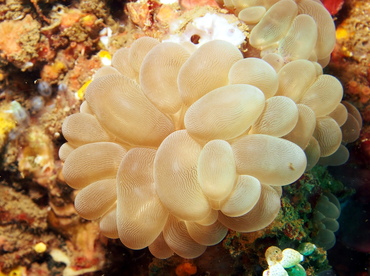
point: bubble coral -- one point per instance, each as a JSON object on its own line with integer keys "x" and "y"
{"x": 299, "y": 29}
{"x": 174, "y": 145}
{"x": 326, "y": 213}
{"x": 278, "y": 261}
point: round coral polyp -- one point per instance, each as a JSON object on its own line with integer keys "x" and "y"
{"x": 174, "y": 145}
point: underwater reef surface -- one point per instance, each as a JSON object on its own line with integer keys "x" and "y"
{"x": 49, "y": 52}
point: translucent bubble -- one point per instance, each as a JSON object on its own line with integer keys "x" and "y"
{"x": 37, "y": 103}
{"x": 44, "y": 88}
{"x": 20, "y": 114}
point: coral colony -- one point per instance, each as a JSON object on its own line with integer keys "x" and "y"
{"x": 182, "y": 139}
{"x": 200, "y": 131}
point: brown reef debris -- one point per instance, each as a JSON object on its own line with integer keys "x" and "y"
{"x": 19, "y": 39}
{"x": 47, "y": 52}
{"x": 351, "y": 58}
{"x": 26, "y": 239}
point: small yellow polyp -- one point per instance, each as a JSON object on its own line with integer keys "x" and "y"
{"x": 40, "y": 247}
{"x": 341, "y": 33}
{"x": 81, "y": 92}
{"x": 18, "y": 271}
{"x": 105, "y": 57}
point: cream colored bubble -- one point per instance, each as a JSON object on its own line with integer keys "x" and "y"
{"x": 284, "y": 163}
{"x": 255, "y": 72}
{"x": 175, "y": 175}
{"x": 225, "y": 112}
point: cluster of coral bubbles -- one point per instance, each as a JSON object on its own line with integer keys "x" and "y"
{"x": 175, "y": 144}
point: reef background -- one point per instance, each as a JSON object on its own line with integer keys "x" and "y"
{"x": 48, "y": 52}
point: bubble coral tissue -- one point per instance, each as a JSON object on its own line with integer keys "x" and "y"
{"x": 174, "y": 144}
